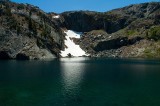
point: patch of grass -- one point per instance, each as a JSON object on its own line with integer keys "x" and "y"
{"x": 130, "y": 32}
{"x": 148, "y": 53}
{"x": 98, "y": 32}
{"x": 152, "y": 52}
{"x": 158, "y": 51}
{"x": 154, "y": 33}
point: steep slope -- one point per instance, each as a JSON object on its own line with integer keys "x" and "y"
{"x": 112, "y": 21}
{"x": 72, "y": 49}
{"x": 26, "y": 32}
{"x": 132, "y": 31}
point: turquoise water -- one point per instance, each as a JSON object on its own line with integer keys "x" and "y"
{"x": 80, "y": 82}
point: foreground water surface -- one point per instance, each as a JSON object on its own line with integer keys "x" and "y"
{"x": 80, "y": 82}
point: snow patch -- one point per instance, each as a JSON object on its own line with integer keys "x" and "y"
{"x": 72, "y": 48}
{"x": 121, "y": 41}
{"x": 56, "y": 16}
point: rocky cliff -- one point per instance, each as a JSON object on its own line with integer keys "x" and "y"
{"x": 112, "y": 21}
{"x": 26, "y": 32}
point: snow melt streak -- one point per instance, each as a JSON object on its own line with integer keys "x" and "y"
{"x": 72, "y": 48}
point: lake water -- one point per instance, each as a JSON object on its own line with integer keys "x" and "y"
{"x": 80, "y": 82}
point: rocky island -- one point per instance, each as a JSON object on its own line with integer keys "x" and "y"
{"x": 27, "y": 32}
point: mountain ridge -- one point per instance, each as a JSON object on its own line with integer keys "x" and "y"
{"x": 29, "y": 33}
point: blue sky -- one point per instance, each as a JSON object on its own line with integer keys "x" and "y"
{"x": 59, "y": 6}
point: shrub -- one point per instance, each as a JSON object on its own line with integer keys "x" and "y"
{"x": 20, "y": 7}
{"x": 8, "y": 12}
{"x": 154, "y": 33}
{"x": 130, "y": 32}
{"x": 148, "y": 53}
{"x": 46, "y": 31}
{"x": 32, "y": 26}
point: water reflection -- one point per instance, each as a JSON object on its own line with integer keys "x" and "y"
{"x": 80, "y": 82}
{"x": 72, "y": 75}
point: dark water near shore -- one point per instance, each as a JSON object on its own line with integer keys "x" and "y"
{"x": 80, "y": 82}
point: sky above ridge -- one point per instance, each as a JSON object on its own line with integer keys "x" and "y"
{"x": 59, "y": 6}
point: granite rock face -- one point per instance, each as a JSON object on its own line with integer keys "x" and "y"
{"x": 112, "y": 21}
{"x": 26, "y": 32}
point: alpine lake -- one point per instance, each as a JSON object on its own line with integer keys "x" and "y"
{"x": 80, "y": 82}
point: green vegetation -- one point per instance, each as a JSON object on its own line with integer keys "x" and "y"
{"x": 34, "y": 28}
{"x": 34, "y": 10}
{"x": 40, "y": 43}
{"x": 158, "y": 51}
{"x": 20, "y": 7}
{"x": 130, "y": 32}
{"x": 12, "y": 23}
{"x": 153, "y": 51}
{"x": 98, "y": 32}
{"x": 8, "y": 12}
{"x": 149, "y": 53}
{"x": 46, "y": 31}
{"x": 154, "y": 33}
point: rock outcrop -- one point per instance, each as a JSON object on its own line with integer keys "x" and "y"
{"x": 112, "y": 21}
{"x": 27, "y": 30}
